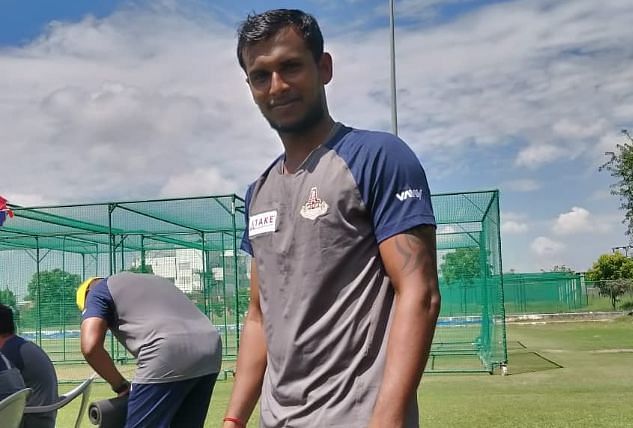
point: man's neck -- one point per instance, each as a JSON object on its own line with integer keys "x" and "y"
{"x": 4, "y": 338}
{"x": 299, "y": 146}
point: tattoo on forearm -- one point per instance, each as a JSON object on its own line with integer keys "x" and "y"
{"x": 409, "y": 246}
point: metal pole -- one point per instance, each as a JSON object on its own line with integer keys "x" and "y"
{"x": 204, "y": 279}
{"x": 235, "y": 277}
{"x": 392, "y": 46}
{"x": 39, "y": 294}
{"x": 111, "y": 249}
{"x": 226, "y": 314}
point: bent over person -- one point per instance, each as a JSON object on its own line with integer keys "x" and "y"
{"x": 36, "y": 369}
{"x": 344, "y": 289}
{"x": 178, "y": 350}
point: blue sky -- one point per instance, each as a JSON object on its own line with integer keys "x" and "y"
{"x": 117, "y": 100}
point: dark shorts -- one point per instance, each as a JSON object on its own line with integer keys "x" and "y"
{"x": 182, "y": 404}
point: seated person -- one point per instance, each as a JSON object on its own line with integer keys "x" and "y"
{"x": 36, "y": 368}
{"x": 10, "y": 378}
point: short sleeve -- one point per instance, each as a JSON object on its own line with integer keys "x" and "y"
{"x": 391, "y": 181}
{"x": 99, "y": 303}
{"x": 246, "y": 242}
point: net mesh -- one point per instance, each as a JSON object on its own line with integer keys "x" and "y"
{"x": 471, "y": 329}
{"x": 46, "y": 251}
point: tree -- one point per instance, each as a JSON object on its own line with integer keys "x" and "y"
{"x": 620, "y": 165}
{"x": 613, "y": 274}
{"x": 141, "y": 269}
{"x": 54, "y": 298}
{"x": 462, "y": 264}
{"x": 8, "y": 298}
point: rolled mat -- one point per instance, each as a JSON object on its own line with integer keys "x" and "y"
{"x": 109, "y": 413}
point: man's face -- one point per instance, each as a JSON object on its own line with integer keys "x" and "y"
{"x": 286, "y": 83}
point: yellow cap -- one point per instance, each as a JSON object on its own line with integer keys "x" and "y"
{"x": 83, "y": 290}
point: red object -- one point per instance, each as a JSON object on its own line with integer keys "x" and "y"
{"x": 236, "y": 421}
{"x": 4, "y": 210}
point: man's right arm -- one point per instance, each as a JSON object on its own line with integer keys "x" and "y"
{"x": 93, "y": 331}
{"x": 251, "y": 360}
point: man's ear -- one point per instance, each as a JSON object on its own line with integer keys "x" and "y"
{"x": 325, "y": 68}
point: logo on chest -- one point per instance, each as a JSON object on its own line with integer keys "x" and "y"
{"x": 314, "y": 207}
{"x": 262, "y": 223}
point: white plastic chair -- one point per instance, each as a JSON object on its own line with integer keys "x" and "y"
{"x": 82, "y": 389}
{"x": 12, "y": 408}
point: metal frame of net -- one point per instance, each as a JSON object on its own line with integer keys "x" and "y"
{"x": 471, "y": 332}
{"x": 46, "y": 251}
{"x": 544, "y": 292}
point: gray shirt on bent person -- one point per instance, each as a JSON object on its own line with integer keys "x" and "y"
{"x": 158, "y": 324}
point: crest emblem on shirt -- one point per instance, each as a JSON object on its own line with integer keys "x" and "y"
{"x": 314, "y": 207}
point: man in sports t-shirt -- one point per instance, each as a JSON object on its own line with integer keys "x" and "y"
{"x": 344, "y": 290}
{"x": 178, "y": 350}
{"x": 35, "y": 367}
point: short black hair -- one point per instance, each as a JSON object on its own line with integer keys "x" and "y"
{"x": 7, "y": 325}
{"x": 258, "y": 27}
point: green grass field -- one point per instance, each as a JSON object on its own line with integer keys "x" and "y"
{"x": 573, "y": 374}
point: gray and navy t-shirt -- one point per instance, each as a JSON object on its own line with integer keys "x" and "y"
{"x": 156, "y": 322}
{"x": 38, "y": 373}
{"x": 324, "y": 293}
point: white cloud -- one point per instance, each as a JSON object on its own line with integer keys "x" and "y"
{"x": 512, "y": 227}
{"x": 127, "y": 101}
{"x": 578, "y": 220}
{"x": 27, "y": 200}
{"x": 546, "y": 247}
{"x": 537, "y": 155}
{"x": 198, "y": 182}
{"x": 460, "y": 90}
{"x": 115, "y": 109}
{"x": 150, "y": 101}
{"x": 513, "y": 223}
{"x": 569, "y": 128}
{"x": 624, "y": 111}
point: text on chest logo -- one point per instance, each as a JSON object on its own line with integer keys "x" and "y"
{"x": 265, "y": 222}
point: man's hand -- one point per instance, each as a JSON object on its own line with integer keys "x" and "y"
{"x": 93, "y": 332}
{"x": 122, "y": 389}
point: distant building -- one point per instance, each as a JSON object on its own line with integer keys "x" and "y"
{"x": 185, "y": 267}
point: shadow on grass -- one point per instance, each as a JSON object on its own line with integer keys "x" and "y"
{"x": 523, "y": 360}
